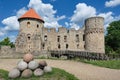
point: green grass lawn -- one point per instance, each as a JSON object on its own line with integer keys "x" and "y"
{"x": 113, "y": 64}
{"x": 56, "y": 74}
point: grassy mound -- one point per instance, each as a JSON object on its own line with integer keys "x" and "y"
{"x": 113, "y": 64}
{"x": 56, "y": 74}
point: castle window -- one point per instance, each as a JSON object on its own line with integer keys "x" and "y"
{"x": 45, "y": 37}
{"x": 65, "y": 38}
{"x": 84, "y": 46}
{"x": 67, "y": 31}
{"x": 58, "y": 46}
{"x": 77, "y": 46}
{"x": 66, "y": 46}
{"x": 28, "y": 37}
{"x": 28, "y": 24}
{"x": 84, "y": 37}
{"x": 43, "y": 46}
{"x": 58, "y": 39}
{"x": 77, "y": 38}
{"x": 37, "y": 26}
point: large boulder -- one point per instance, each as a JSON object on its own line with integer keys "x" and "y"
{"x": 33, "y": 65}
{"x": 22, "y": 65}
{"x": 42, "y": 64}
{"x": 14, "y": 73}
{"x": 47, "y": 69}
{"x": 38, "y": 72}
{"x": 26, "y": 73}
{"x": 28, "y": 57}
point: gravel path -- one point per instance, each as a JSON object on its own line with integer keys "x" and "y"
{"x": 81, "y": 70}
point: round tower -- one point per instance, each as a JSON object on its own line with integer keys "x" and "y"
{"x": 31, "y": 25}
{"x": 94, "y": 34}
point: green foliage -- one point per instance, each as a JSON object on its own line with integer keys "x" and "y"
{"x": 112, "y": 39}
{"x": 56, "y": 74}
{"x": 6, "y": 42}
{"x": 113, "y": 64}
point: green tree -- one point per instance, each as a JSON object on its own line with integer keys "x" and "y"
{"x": 7, "y": 42}
{"x": 112, "y": 39}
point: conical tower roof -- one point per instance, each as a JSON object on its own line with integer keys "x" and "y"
{"x": 31, "y": 14}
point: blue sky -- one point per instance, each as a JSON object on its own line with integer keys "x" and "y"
{"x": 56, "y": 13}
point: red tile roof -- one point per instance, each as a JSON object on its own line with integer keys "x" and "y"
{"x": 31, "y": 14}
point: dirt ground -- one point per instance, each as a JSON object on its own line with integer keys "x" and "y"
{"x": 81, "y": 70}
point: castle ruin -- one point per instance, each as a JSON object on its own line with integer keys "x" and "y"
{"x": 34, "y": 37}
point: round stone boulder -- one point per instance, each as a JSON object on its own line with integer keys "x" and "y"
{"x": 14, "y": 73}
{"x": 26, "y": 73}
{"x": 42, "y": 64}
{"x": 38, "y": 72}
{"x": 33, "y": 65}
{"x": 28, "y": 57}
{"x": 47, "y": 69}
{"x": 22, "y": 65}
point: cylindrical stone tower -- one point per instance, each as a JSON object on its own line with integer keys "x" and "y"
{"x": 31, "y": 25}
{"x": 94, "y": 35}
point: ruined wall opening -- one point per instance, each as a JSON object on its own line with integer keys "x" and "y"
{"x": 77, "y": 38}
{"x": 58, "y": 46}
{"x": 58, "y": 39}
{"x": 77, "y": 46}
{"x": 66, "y": 46}
{"x": 84, "y": 37}
{"x": 43, "y": 46}
{"x": 65, "y": 38}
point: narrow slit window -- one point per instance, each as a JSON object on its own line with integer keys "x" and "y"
{"x": 58, "y": 46}
{"x": 43, "y": 46}
{"x": 37, "y": 26}
{"x": 66, "y": 46}
{"x": 58, "y": 39}
{"x": 45, "y": 37}
{"x": 84, "y": 37}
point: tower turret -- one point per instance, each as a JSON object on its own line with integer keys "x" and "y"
{"x": 31, "y": 25}
{"x": 94, "y": 34}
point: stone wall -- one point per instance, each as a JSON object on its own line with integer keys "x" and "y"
{"x": 34, "y": 37}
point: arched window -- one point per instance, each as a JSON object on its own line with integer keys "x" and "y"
{"x": 28, "y": 37}
{"x": 37, "y": 26}
{"x": 28, "y": 24}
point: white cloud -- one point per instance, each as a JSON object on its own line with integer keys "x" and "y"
{"x": 112, "y": 3}
{"x": 21, "y": 12}
{"x": 10, "y": 23}
{"x": 47, "y": 12}
{"x": 108, "y": 17}
{"x": 81, "y": 12}
{"x": 73, "y": 25}
{"x": 84, "y": 11}
{"x": 12, "y": 38}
